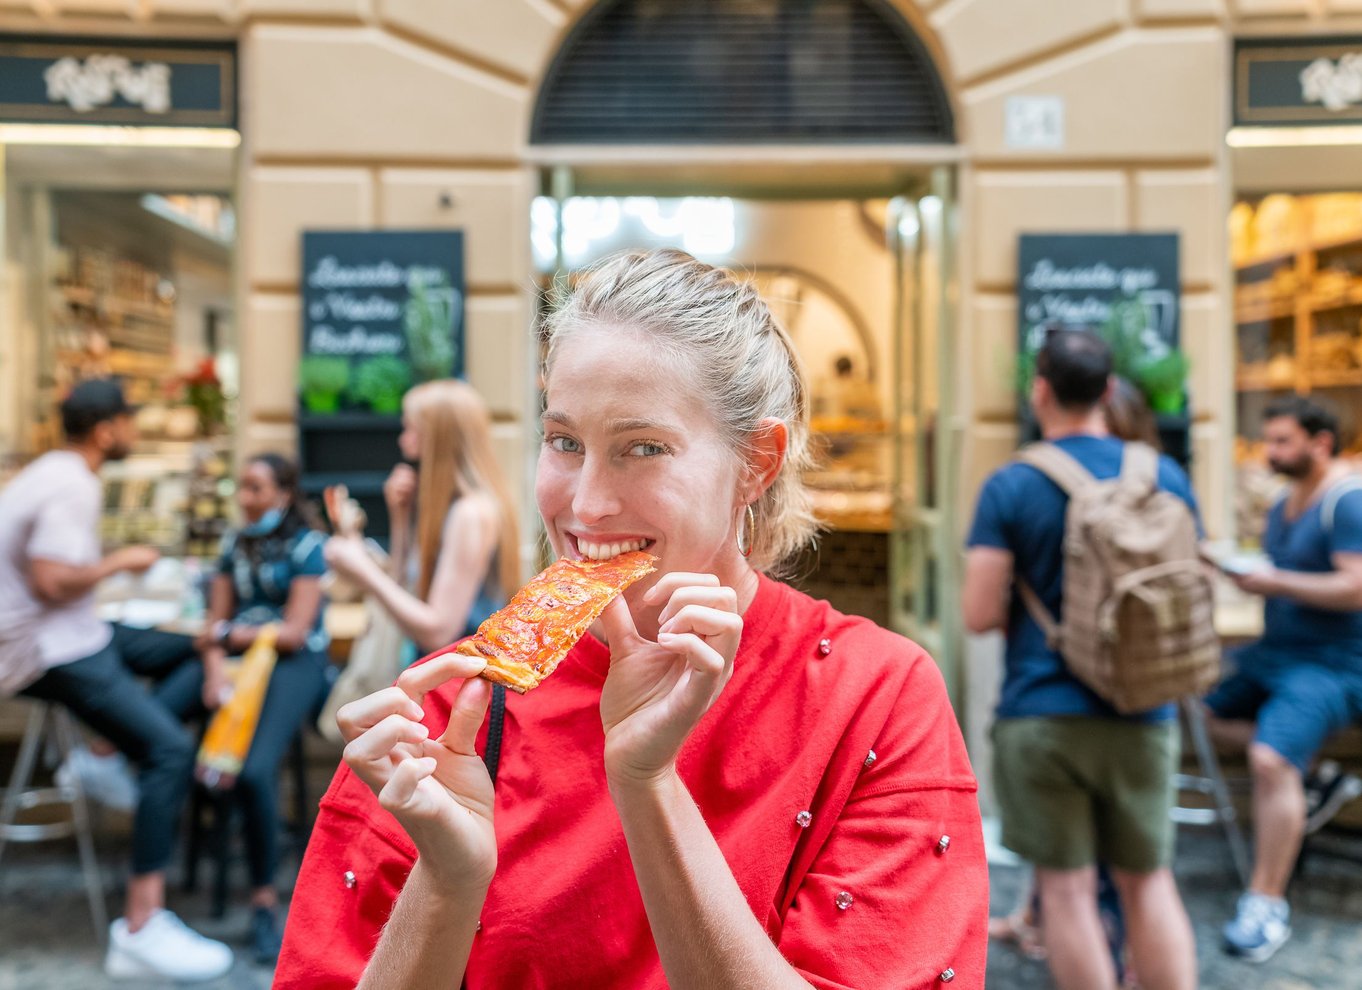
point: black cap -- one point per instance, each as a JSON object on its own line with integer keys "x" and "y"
{"x": 90, "y": 403}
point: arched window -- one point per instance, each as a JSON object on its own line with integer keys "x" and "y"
{"x": 742, "y": 72}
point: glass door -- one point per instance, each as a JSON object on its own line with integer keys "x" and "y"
{"x": 924, "y": 558}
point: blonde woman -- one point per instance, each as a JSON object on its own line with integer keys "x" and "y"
{"x": 725, "y": 783}
{"x": 455, "y": 543}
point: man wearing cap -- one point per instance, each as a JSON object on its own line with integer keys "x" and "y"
{"x": 53, "y": 647}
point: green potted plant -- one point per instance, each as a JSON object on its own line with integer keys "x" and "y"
{"x": 428, "y": 317}
{"x": 321, "y": 380}
{"x": 1163, "y": 380}
{"x": 1138, "y": 355}
{"x": 380, "y": 383}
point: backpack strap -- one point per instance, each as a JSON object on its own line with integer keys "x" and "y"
{"x": 1049, "y": 625}
{"x": 1140, "y": 466}
{"x": 1057, "y": 465}
{"x": 1329, "y": 507}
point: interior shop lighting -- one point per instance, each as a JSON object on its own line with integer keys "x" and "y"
{"x": 1294, "y": 137}
{"x": 113, "y": 136}
{"x": 705, "y": 226}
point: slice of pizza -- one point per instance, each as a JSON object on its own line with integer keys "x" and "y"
{"x": 526, "y": 640}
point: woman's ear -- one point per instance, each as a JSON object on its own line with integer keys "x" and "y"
{"x": 765, "y": 454}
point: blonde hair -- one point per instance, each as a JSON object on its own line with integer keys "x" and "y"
{"x": 716, "y": 325}
{"x": 456, "y": 460}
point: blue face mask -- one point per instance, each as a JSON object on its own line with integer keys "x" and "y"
{"x": 265, "y": 525}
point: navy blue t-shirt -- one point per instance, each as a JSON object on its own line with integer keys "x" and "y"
{"x": 1022, "y": 511}
{"x": 1303, "y": 544}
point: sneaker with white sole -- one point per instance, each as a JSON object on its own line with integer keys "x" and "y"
{"x": 109, "y": 780}
{"x": 164, "y": 948}
{"x": 1260, "y": 927}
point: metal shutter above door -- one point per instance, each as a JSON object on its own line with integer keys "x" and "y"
{"x": 742, "y": 72}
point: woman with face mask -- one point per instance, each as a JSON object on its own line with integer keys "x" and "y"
{"x": 455, "y": 546}
{"x": 269, "y": 572}
{"x": 725, "y": 783}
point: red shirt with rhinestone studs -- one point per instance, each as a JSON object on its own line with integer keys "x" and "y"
{"x": 867, "y": 872}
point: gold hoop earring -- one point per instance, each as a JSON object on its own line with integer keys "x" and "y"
{"x": 751, "y": 532}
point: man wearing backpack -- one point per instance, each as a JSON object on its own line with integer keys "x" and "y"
{"x": 1077, "y": 781}
{"x": 1301, "y": 682}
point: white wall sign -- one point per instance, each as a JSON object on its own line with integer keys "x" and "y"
{"x": 100, "y": 79}
{"x": 1034, "y": 122}
{"x": 1337, "y": 85}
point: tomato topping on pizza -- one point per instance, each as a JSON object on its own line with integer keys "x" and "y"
{"x": 523, "y": 642}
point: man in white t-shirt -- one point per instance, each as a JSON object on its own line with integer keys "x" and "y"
{"x": 53, "y": 647}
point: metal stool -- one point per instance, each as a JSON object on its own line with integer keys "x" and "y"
{"x": 1210, "y": 783}
{"x": 52, "y": 726}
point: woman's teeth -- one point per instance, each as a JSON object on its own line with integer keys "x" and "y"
{"x": 604, "y": 551}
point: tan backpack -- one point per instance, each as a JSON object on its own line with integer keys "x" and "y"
{"x": 1137, "y": 602}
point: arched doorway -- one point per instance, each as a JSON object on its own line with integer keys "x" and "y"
{"x": 786, "y": 137}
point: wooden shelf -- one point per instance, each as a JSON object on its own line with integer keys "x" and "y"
{"x": 1249, "y": 383}
{"x": 114, "y": 305}
{"x": 1253, "y": 315}
{"x": 1345, "y": 378}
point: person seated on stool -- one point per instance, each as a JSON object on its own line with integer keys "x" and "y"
{"x": 1302, "y": 681}
{"x": 50, "y": 563}
{"x": 269, "y": 572}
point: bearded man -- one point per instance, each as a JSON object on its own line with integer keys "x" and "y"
{"x": 1302, "y": 681}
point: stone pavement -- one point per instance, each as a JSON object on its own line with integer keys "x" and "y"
{"x": 46, "y": 942}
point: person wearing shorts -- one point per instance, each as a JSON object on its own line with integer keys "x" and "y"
{"x": 1302, "y": 682}
{"x": 1077, "y": 783}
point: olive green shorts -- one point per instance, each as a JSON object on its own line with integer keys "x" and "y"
{"x": 1077, "y": 791}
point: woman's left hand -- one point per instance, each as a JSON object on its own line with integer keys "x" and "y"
{"x": 656, "y": 693}
{"x": 346, "y": 555}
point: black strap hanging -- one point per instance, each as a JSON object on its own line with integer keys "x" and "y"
{"x": 497, "y": 718}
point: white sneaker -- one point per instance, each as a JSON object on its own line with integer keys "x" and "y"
{"x": 106, "y": 779}
{"x": 164, "y": 948}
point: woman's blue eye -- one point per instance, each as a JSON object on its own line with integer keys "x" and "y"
{"x": 565, "y": 445}
{"x": 647, "y": 449}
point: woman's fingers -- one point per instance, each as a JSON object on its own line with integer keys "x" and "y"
{"x": 708, "y": 672}
{"x": 416, "y": 682}
{"x": 360, "y": 716}
{"x": 667, "y": 585}
{"x": 617, "y": 623}
{"x": 723, "y": 599}
{"x": 377, "y": 744}
{"x": 466, "y": 717}
{"x": 397, "y": 794}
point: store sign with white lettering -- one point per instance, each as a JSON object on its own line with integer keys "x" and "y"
{"x": 114, "y": 81}
{"x": 1297, "y": 82}
{"x": 382, "y": 311}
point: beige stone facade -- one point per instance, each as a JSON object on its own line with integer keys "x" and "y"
{"x": 415, "y": 113}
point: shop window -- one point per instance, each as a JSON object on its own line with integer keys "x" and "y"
{"x": 742, "y": 72}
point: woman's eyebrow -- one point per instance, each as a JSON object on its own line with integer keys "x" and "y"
{"x": 630, "y": 425}
{"x": 554, "y": 416}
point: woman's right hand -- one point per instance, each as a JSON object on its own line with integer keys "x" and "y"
{"x": 399, "y": 491}
{"x": 438, "y": 789}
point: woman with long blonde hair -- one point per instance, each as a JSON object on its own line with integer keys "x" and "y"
{"x": 455, "y": 543}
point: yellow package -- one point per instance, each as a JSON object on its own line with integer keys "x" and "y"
{"x": 232, "y": 728}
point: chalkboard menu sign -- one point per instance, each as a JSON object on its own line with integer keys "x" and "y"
{"x": 1124, "y": 286}
{"x": 382, "y": 311}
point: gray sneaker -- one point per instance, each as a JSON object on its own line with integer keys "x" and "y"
{"x": 1260, "y": 927}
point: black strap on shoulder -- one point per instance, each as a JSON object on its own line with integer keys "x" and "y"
{"x": 497, "y": 719}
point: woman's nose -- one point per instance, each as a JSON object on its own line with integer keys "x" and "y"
{"x": 595, "y": 497}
